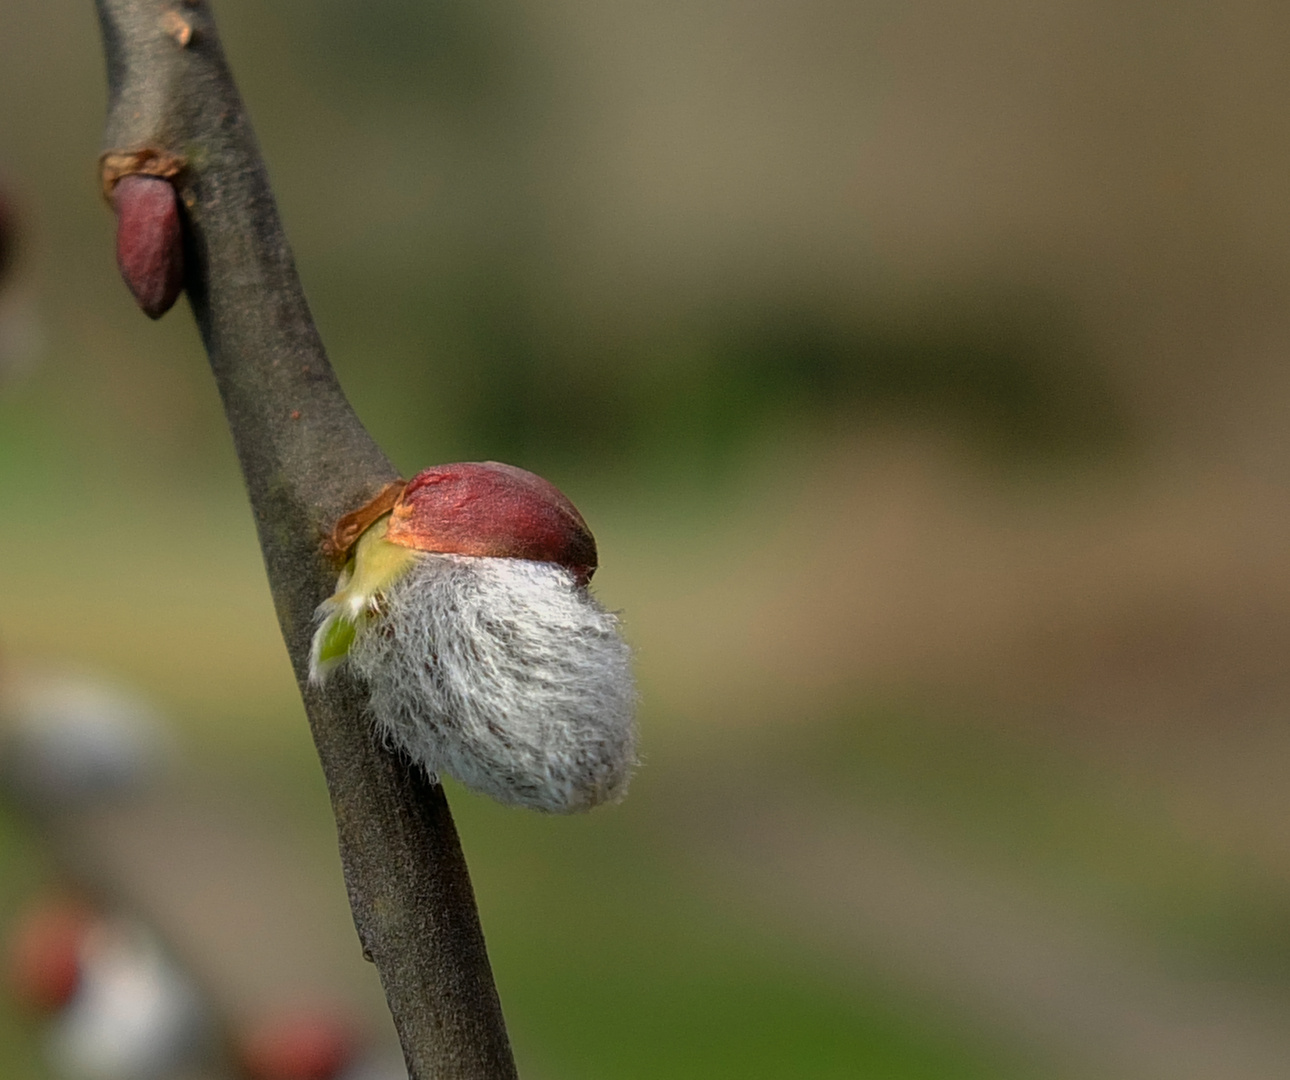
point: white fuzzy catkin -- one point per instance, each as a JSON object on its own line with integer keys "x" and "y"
{"x": 504, "y": 674}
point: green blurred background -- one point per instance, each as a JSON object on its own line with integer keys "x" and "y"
{"x": 920, "y": 369}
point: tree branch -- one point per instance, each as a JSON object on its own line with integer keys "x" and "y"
{"x": 307, "y": 460}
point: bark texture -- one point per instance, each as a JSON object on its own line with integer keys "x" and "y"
{"x": 307, "y": 461}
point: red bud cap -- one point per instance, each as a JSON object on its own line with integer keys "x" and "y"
{"x": 305, "y": 1046}
{"x": 490, "y": 509}
{"x": 45, "y": 954}
{"x": 149, "y": 241}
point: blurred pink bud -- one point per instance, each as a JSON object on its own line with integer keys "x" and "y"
{"x": 307, "y": 1045}
{"x": 44, "y": 962}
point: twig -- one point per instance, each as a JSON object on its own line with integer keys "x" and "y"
{"x": 307, "y": 461}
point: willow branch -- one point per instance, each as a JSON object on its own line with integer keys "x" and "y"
{"x": 307, "y": 461}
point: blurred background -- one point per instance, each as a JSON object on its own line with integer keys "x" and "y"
{"x": 920, "y": 369}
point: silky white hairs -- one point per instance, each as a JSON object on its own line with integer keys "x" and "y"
{"x": 505, "y": 674}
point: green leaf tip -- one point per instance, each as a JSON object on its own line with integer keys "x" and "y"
{"x": 376, "y": 565}
{"x": 337, "y": 636}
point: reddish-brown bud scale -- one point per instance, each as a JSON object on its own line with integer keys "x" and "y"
{"x": 490, "y": 509}
{"x": 149, "y": 241}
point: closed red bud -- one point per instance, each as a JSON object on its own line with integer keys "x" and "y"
{"x": 492, "y": 510}
{"x": 44, "y": 954}
{"x": 307, "y": 1046}
{"x": 149, "y": 241}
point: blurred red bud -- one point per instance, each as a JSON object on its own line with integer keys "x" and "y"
{"x": 44, "y": 966}
{"x": 149, "y": 241}
{"x": 490, "y": 509}
{"x": 305, "y": 1046}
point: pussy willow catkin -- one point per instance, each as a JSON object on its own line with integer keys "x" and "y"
{"x": 499, "y": 670}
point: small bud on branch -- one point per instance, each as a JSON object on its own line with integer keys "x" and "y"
{"x": 149, "y": 241}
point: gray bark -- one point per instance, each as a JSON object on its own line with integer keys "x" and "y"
{"x": 306, "y": 460}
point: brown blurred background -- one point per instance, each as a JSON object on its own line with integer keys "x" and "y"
{"x": 920, "y": 368}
